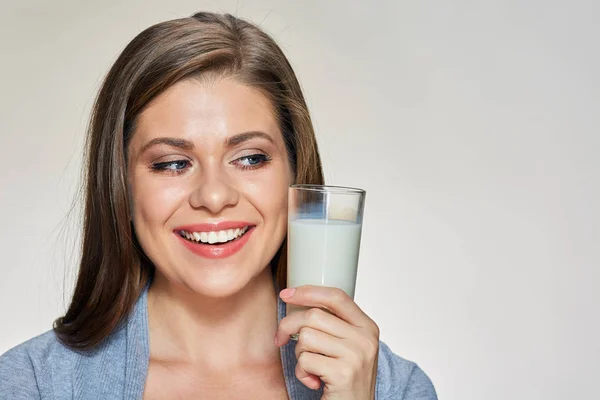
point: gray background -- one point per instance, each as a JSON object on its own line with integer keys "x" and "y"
{"x": 473, "y": 125}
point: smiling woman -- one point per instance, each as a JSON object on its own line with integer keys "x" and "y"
{"x": 199, "y": 129}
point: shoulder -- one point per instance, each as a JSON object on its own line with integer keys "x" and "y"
{"x": 24, "y": 368}
{"x": 398, "y": 378}
{"x": 43, "y": 367}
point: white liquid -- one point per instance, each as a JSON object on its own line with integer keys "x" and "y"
{"x": 323, "y": 252}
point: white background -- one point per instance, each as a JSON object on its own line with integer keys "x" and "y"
{"x": 473, "y": 125}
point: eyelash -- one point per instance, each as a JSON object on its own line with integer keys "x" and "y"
{"x": 165, "y": 166}
{"x": 264, "y": 159}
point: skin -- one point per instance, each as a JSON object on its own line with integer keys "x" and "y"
{"x": 209, "y": 170}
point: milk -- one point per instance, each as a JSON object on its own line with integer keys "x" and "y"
{"x": 323, "y": 252}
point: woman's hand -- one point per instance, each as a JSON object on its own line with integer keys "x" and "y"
{"x": 337, "y": 342}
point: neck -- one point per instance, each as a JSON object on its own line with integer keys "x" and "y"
{"x": 219, "y": 333}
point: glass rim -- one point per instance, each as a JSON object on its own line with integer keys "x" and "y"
{"x": 328, "y": 188}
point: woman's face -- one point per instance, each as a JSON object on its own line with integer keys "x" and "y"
{"x": 209, "y": 173}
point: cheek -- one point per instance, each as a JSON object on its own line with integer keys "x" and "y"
{"x": 154, "y": 200}
{"x": 268, "y": 193}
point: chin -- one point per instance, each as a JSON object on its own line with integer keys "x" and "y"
{"x": 218, "y": 284}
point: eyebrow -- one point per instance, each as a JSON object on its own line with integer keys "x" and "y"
{"x": 187, "y": 145}
{"x": 245, "y": 136}
{"x": 169, "y": 141}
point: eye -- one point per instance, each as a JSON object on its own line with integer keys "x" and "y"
{"x": 252, "y": 161}
{"x": 174, "y": 166}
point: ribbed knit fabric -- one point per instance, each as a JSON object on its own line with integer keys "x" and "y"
{"x": 42, "y": 368}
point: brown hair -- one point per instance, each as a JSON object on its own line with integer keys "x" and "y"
{"x": 113, "y": 268}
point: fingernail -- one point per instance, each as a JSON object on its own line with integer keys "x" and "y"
{"x": 287, "y": 293}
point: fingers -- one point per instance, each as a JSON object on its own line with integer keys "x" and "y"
{"x": 310, "y": 366}
{"x": 332, "y": 299}
{"x": 314, "y": 318}
{"x": 309, "y": 380}
{"x": 314, "y": 341}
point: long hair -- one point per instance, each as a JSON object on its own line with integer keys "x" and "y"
{"x": 114, "y": 269}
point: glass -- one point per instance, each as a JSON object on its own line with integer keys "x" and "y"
{"x": 324, "y": 230}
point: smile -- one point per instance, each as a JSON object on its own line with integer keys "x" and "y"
{"x": 214, "y": 237}
{"x": 216, "y": 240}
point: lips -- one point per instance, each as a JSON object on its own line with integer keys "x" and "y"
{"x": 215, "y": 240}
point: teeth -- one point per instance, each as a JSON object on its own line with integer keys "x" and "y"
{"x": 215, "y": 237}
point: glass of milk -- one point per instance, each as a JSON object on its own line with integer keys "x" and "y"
{"x": 324, "y": 228}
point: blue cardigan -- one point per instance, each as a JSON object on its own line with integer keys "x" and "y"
{"x": 43, "y": 368}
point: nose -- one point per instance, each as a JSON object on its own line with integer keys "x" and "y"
{"x": 214, "y": 192}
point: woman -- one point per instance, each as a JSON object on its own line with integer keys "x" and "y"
{"x": 198, "y": 131}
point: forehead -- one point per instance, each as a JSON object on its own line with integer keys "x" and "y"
{"x": 194, "y": 109}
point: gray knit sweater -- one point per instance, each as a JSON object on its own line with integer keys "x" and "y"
{"x": 42, "y": 368}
